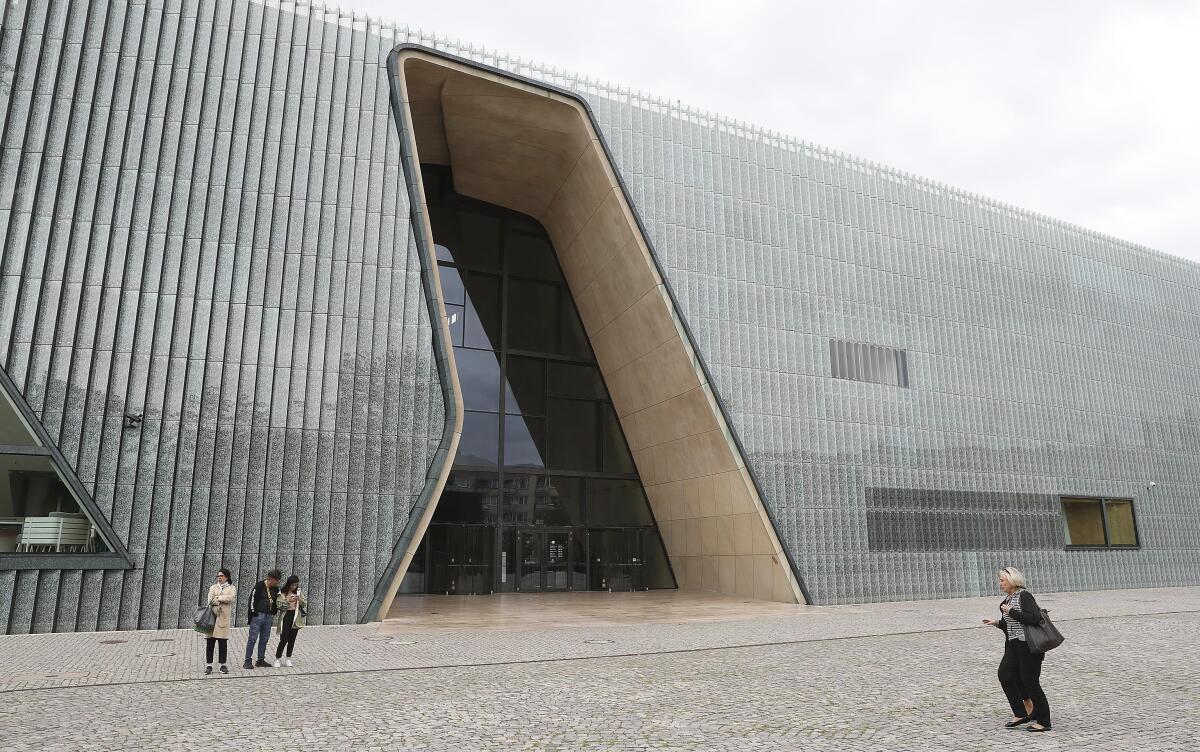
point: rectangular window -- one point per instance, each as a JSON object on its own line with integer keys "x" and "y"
{"x": 1099, "y": 523}
{"x": 870, "y": 363}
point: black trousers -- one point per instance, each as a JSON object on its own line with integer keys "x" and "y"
{"x": 1020, "y": 675}
{"x": 287, "y": 635}
{"x": 223, "y": 650}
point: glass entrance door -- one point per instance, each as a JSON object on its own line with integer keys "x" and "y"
{"x": 544, "y": 559}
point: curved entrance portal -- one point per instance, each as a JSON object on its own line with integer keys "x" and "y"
{"x": 513, "y": 144}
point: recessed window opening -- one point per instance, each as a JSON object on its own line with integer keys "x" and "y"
{"x": 875, "y": 364}
{"x": 1099, "y": 523}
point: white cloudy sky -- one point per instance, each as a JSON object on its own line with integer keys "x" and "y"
{"x": 1086, "y": 110}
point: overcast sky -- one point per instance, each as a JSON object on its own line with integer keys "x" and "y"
{"x": 1084, "y": 110}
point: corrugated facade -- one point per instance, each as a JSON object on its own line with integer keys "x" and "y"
{"x": 203, "y": 219}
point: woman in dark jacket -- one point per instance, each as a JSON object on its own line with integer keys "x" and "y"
{"x": 1020, "y": 670}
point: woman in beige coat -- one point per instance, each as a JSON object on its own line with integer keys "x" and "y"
{"x": 221, "y": 597}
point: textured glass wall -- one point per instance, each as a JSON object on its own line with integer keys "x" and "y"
{"x": 202, "y": 219}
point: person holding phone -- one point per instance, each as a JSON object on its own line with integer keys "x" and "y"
{"x": 290, "y": 609}
{"x": 221, "y": 596}
{"x": 1020, "y": 670}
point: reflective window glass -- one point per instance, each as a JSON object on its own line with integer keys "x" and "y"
{"x": 524, "y": 442}
{"x": 479, "y": 445}
{"x": 573, "y": 435}
{"x": 452, "y": 285}
{"x": 455, "y": 317}
{"x": 1084, "y": 522}
{"x": 542, "y": 500}
{"x": 525, "y": 392}
{"x": 1118, "y": 514}
{"x": 479, "y": 378}
{"x": 13, "y": 431}
{"x": 469, "y": 497}
{"x": 574, "y": 341}
{"x": 480, "y": 241}
{"x": 531, "y": 256}
{"x": 571, "y": 380}
{"x": 483, "y": 311}
{"x": 617, "y": 502}
{"x": 532, "y": 321}
{"x": 615, "y": 454}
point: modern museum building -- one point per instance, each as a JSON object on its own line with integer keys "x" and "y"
{"x": 285, "y": 287}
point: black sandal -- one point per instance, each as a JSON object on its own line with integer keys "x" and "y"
{"x": 1014, "y": 724}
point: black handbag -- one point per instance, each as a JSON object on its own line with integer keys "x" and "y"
{"x": 1043, "y": 637}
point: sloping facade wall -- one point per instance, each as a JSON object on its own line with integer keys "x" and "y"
{"x": 202, "y": 219}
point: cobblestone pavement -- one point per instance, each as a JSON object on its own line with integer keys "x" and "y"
{"x": 1121, "y": 682}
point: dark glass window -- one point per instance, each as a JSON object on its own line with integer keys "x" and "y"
{"x": 616, "y": 503}
{"x": 452, "y": 285}
{"x": 531, "y": 256}
{"x": 573, "y": 435}
{"x": 480, "y": 442}
{"x": 469, "y": 497}
{"x": 526, "y": 382}
{"x": 524, "y": 442}
{"x": 483, "y": 311}
{"x": 479, "y": 378}
{"x": 615, "y": 455}
{"x": 542, "y": 463}
{"x": 532, "y": 319}
{"x": 571, "y": 380}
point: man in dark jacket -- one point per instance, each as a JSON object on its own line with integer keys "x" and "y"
{"x": 262, "y": 616}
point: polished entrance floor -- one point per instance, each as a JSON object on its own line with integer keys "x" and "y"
{"x": 425, "y": 613}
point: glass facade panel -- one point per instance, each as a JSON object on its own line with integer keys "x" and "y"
{"x": 614, "y": 452}
{"x": 571, "y": 512}
{"x": 479, "y": 378}
{"x": 573, "y": 380}
{"x": 483, "y": 311}
{"x": 573, "y": 435}
{"x": 524, "y": 442}
{"x": 480, "y": 442}
{"x": 531, "y": 256}
{"x": 1084, "y": 522}
{"x": 526, "y": 386}
{"x": 1118, "y": 517}
{"x": 532, "y": 322}
{"x": 616, "y": 503}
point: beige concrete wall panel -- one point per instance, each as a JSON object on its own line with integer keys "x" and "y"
{"x": 607, "y": 231}
{"x": 643, "y": 327}
{"x": 625, "y": 279}
{"x": 580, "y": 196}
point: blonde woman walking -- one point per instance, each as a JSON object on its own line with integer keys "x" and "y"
{"x": 1020, "y": 670}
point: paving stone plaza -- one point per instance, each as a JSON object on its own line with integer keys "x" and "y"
{"x": 904, "y": 676}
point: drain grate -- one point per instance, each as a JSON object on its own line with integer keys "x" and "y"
{"x": 599, "y": 642}
{"x": 155, "y": 655}
{"x": 113, "y": 642}
{"x": 161, "y": 639}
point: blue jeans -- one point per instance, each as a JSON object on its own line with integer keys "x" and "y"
{"x": 260, "y": 631}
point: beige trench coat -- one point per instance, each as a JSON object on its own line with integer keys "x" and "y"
{"x": 221, "y": 598}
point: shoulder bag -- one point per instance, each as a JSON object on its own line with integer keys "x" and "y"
{"x": 1043, "y": 637}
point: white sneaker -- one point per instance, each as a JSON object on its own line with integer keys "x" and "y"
{"x": 288, "y": 663}
{"x": 276, "y": 663}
